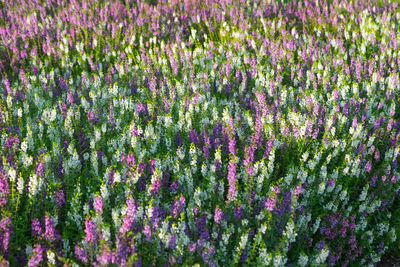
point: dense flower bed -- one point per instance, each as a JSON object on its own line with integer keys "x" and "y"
{"x": 212, "y": 132}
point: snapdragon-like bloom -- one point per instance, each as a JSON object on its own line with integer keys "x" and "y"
{"x": 36, "y": 228}
{"x": 81, "y": 254}
{"x": 218, "y": 215}
{"x": 232, "y": 143}
{"x": 178, "y": 206}
{"x": 298, "y": 190}
{"x": 147, "y": 232}
{"x": 40, "y": 169}
{"x": 368, "y": 167}
{"x": 50, "y": 231}
{"x": 232, "y": 180}
{"x": 172, "y": 241}
{"x": 5, "y": 234}
{"x": 270, "y": 203}
{"x": 60, "y": 197}
{"x": 156, "y": 186}
{"x": 98, "y": 204}
{"x": 90, "y": 231}
{"x": 37, "y": 256}
{"x": 130, "y": 217}
{"x": 4, "y": 189}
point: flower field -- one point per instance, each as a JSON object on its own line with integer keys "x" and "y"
{"x": 208, "y": 133}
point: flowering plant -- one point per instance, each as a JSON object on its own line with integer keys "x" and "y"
{"x": 199, "y": 132}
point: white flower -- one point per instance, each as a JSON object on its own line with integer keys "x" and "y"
{"x": 316, "y": 225}
{"x": 12, "y": 174}
{"x": 33, "y": 185}
{"x": 303, "y": 260}
{"x": 51, "y": 257}
{"x": 289, "y": 232}
{"x": 28, "y": 250}
{"x": 106, "y": 234}
{"x": 24, "y": 146}
{"x": 181, "y": 153}
{"x": 204, "y": 169}
{"x": 393, "y": 236}
{"x": 288, "y": 178}
{"x": 364, "y": 193}
{"x": 117, "y": 177}
{"x": 19, "y": 112}
{"x": 104, "y": 191}
{"x": 321, "y": 258}
{"x": 243, "y": 240}
{"x": 343, "y": 195}
{"x": 279, "y": 260}
{"x": 321, "y": 188}
{"x": 20, "y": 185}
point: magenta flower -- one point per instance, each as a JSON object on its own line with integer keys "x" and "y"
{"x": 218, "y": 215}
{"x": 98, "y": 204}
{"x": 36, "y": 228}
{"x": 50, "y": 231}
{"x": 298, "y": 190}
{"x": 81, "y": 254}
{"x": 368, "y": 167}
{"x": 232, "y": 180}
{"x": 270, "y": 204}
{"x": 89, "y": 230}
{"x": 37, "y": 256}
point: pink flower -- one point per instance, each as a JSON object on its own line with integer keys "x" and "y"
{"x": 270, "y": 204}
{"x": 298, "y": 190}
{"x": 368, "y": 166}
{"x": 218, "y": 215}
{"x": 98, "y": 204}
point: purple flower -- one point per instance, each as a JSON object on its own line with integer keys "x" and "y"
{"x": 218, "y": 215}
{"x": 178, "y": 206}
{"x": 377, "y": 155}
{"x": 89, "y": 231}
{"x": 174, "y": 186}
{"x": 270, "y": 203}
{"x": 232, "y": 180}
{"x": 330, "y": 182}
{"x": 98, "y": 204}
{"x": 105, "y": 256}
{"x": 4, "y": 189}
{"x": 321, "y": 244}
{"x": 238, "y": 212}
{"x": 194, "y": 137}
{"x": 192, "y": 247}
{"x": 37, "y": 256}
{"x": 36, "y": 228}
{"x": 50, "y": 231}
{"x": 130, "y": 217}
{"x": 147, "y": 232}
{"x": 368, "y": 166}
{"x": 354, "y": 124}
{"x": 40, "y": 169}
{"x": 81, "y": 254}
{"x": 131, "y": 160}
{"x": 207, "y": 146}
{"x": 298, "y": 190}
{"x": 172, "y": 241}
{"x": 5, "y": 233}
{"x": 60, "y": 197}
{"x": 232, "y": 143}
{"x": 156, "y": 186}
